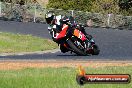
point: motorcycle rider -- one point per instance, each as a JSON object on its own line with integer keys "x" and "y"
{"x": 55, "y": 26}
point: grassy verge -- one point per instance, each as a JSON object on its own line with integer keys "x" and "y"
{"x": 63, "y": 77}
{"x": 10, "y": 43}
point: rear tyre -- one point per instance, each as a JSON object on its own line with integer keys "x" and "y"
{"x": 75, "y": 49}
{"x": 63, "y": 49}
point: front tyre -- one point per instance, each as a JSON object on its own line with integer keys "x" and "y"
{"x": 96, "y": 50}
{"x": 75, "y": 49}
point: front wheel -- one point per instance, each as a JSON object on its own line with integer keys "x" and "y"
{"x": 96, "y": 50}
{"x": 75, "y": 49}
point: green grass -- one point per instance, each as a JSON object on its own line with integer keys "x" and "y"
{"x": 57, "y": 77}
{"x": 10, "y": 43}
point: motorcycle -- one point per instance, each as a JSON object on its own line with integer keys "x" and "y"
{"x": 72, "y": 39}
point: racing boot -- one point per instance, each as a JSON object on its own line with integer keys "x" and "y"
{"x": 82, "y": 29}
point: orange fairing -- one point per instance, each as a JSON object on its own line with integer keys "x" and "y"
{"x": 63, "y": 32}
{"x": 79, "y": 34}
{"x": 76, "y": 32}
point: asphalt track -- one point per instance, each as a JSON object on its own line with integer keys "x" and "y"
{"x": 114, "y": 44}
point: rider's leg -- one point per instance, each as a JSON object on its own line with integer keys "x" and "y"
{"x": 87, "y": 35}
{"x": 82, "y": 29}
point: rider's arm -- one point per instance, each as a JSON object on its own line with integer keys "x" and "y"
{"x": 51, "y": 30}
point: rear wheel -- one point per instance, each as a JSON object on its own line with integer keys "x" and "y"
{"x": 63, "y": 49}
{"x": 75, "y": 48}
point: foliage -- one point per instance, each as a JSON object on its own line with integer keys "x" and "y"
{"x": 105, "y": 6}
{"x": 125, "y": 7}
{"x": 83, "y": 5}
{"x": 125, "y": 4}
{"x": 100, "y": 6}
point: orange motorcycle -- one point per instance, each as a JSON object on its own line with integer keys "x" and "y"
{"x": 72, "y": 39}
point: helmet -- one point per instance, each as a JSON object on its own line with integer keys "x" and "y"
{"x": 49, "y": 17}
{"x": 64, "y": 19}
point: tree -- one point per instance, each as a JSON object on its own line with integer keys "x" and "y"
{"x": 1, "y": 0}
{"x": 125, "y": 7}
{"x": 105, "y": 6}
{"x": 125, "y": 4}
{"x": 22, "y": 2}
{"x": 83, "y": 5}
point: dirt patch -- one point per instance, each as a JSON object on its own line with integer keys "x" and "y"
{"x": 14, "y": 65}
